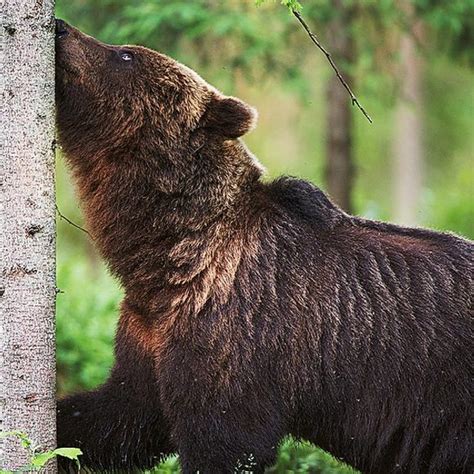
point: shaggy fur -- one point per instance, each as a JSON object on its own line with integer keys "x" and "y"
{"x": 251, "y": 310}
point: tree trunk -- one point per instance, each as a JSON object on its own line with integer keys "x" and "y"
{"x": 339, "y": 155}
{"x": 408, "y": 147}
{"x": 27, "y": 237}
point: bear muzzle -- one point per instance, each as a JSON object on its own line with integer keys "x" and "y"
{"x": 61, "y": 29}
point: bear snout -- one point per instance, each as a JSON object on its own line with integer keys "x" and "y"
{"x": 61, "y": 28}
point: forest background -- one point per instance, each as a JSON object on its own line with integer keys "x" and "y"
{"x": 408, "y": 62}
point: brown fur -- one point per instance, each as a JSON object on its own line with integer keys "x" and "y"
{"x": 251, "y": 310}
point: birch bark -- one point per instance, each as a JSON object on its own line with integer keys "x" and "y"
{"x": 27, "y": 228}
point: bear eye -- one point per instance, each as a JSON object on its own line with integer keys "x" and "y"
{"x": 125, "y": 56}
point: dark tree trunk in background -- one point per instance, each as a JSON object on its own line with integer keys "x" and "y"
{"x": 340, "y": 168}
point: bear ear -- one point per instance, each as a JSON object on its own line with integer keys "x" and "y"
{"x": 229, "y": 117}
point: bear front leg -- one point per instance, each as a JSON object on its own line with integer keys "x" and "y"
{"x": 119, "y": 427}
{"x": 227, "y": 443}
{"x": 214, "y": 455}
{"x": 113, "y": 430}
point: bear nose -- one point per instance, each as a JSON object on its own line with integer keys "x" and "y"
{"x": 61, "y": 28}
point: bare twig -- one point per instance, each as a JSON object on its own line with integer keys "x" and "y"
{"x": 316, "y": 41}
{"x": 70, "y": 222}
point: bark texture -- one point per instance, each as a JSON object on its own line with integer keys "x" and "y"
{"x": 408, "y": 145}
{"x": 27, "y": 237}
{"x": 339, "y": 155}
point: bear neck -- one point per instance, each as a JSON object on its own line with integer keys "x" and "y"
{"x": 161, "y": 231}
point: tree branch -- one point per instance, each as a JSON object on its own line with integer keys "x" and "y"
{"x": 70, "y": 222}
{"x": 316, "y": 41}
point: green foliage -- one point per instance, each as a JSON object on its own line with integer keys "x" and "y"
{"x": 293, "y": 458}
{"x": 292, "y": 5}
{"x": 38, "y": 458}
{"x": 453, "y": 25}
{"x": 86, "y": 320}
{"x": 244, "y": 38}
{"x": 170, "y": 466}
{"x": 302, "y": 458}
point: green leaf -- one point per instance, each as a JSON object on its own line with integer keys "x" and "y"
{"x": 6, "y": 434}
{"x": 70, "y": 453}
{"x": 292, "y": 5}
{"x": 40, "y": 459}
{"x": 24, "y": 440}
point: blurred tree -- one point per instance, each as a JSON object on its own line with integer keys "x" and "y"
{"x": 408, "y": 150}
{"x": 349, "y": 27}
{"x": 27, "y": 245}
{"x": 339, "y": 149}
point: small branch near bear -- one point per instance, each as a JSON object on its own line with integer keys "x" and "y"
{"x": 70, "y": 222}
{"x": 316, "y": 41}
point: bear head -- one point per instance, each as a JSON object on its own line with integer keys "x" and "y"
{"x": 132, "y": 104}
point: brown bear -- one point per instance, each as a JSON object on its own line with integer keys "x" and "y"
{"x": 252, "y": 310}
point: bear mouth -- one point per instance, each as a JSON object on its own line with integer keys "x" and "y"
{"x": 63, "y": 69}
{"x": 64, "y": 63}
